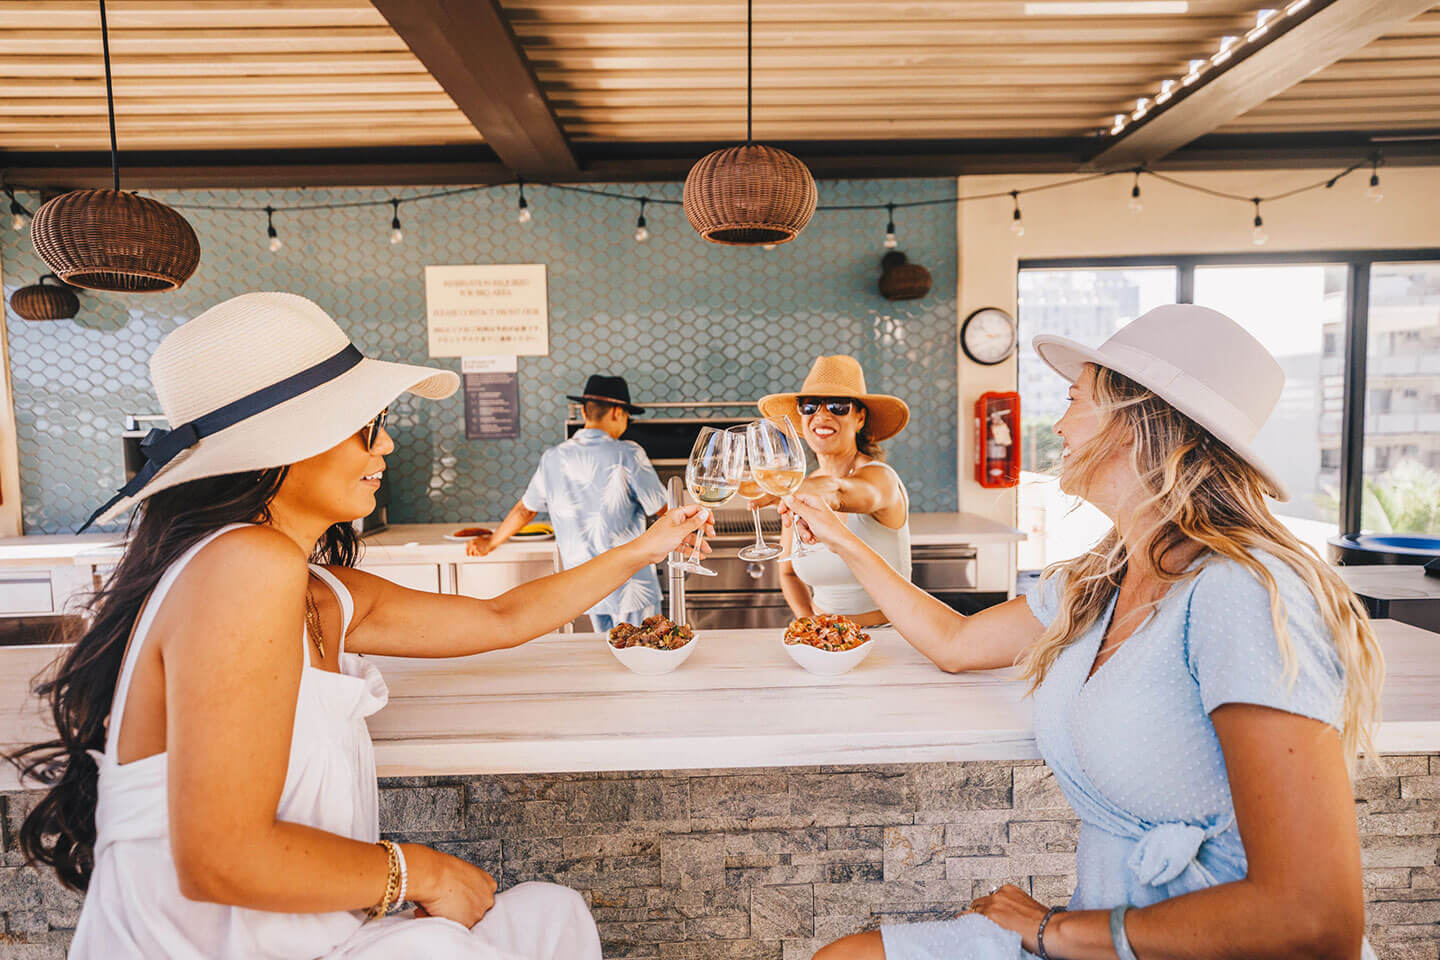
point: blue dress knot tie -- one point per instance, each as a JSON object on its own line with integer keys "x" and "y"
{"x": 1164, "y": 851}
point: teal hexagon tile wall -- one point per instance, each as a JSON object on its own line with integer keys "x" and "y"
{"x": 681, "y": 319}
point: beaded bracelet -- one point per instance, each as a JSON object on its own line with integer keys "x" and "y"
{"x": 1040, "y": 934}
{"x": 404, "y": 876}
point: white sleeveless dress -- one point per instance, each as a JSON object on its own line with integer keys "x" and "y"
{"x": 134, "y": 907}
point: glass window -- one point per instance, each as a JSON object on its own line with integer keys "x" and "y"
{"x": 1086, "y": 304}
{"x": 1402, "y": 408}
{"x": 1295, "y": 310}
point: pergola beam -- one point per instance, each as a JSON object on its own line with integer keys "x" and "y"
{"x": 1332, "y": 32}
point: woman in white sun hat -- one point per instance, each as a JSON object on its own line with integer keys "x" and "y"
{"x": 1202, "y": 681}
{"x": 212, "y": 785}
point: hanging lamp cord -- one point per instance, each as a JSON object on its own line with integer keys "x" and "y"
{"x": 749, "y": 69}
{"x": 109, "y": 98}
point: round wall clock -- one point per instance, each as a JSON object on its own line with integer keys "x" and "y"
{"x": 988, "y": 335}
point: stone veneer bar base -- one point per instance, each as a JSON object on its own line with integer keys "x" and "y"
{"x": 769, "y": 864}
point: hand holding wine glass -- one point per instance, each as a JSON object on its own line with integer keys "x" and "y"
{"x": 777, "y": 461}
{"x": 751, "y": 492}
{"x": 713, "y": 476}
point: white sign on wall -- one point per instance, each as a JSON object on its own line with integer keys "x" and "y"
{"x": 487, "y": 309}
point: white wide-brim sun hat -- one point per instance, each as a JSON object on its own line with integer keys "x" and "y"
{"x": 262, "y": 380}
{"x": 1197, "y": 360}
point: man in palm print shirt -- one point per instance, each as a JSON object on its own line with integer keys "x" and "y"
{"x": 598, "y": 490}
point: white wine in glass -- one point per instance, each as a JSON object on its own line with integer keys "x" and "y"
{"x": 777, "y": 461}
{"x": 713, "y": 476}
{"x": 750, "y": 490}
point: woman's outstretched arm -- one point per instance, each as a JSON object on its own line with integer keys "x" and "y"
{"x": 395, "y": 621}
{"x": 987, "y": 640}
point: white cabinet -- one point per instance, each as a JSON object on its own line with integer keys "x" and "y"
{"x": 492, "y": 578}
{"x": 26, "y": 591}
{"x": 416, "y": 576}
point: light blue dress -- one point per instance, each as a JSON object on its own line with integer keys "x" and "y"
{"x": 1135, "y": 753}
{"x": 598, "y": 491}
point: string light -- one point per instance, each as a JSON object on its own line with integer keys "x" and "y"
{"x": 1017, "y": 225}
{"x": 524, "y": 215}
{"x": 1142, "y": 107}
{"x": 642, "y": 232}
{"x": 768, "y": 246}
{"x": 396, "y": 235}
{"x": 1373, "y": 191}
{"x": 275, "y": 242}
{"x": 1135, "y": 205}
{"x": 17, "y": 212}
{"x": 1167, "y": 90}
{"x": 1258, "y": 236}
{"x": 890, "y": 240}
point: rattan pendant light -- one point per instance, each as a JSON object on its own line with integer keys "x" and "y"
{"x": 39, "y": 302}
{"x": 750, "y": 195}
{"x": 112, "y": 240}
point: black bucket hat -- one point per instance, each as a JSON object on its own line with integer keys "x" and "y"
{"x": 612, "y": 390}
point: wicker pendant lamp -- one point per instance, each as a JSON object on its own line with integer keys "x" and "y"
{"x": 39, "y": 302}
{"x": 111, "y": 240}
{"x": 750, "y": 195}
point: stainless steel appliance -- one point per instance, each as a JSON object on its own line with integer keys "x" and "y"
{"x": 747, "y": 595}
{"x": 137, "y": 426}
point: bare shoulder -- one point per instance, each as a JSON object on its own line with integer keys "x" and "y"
{"x": 880, "y": 474}
{"x": 252, "y": 554}
{"x": 244, "y": 581}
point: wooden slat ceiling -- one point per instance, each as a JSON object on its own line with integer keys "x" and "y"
{"x": 626, "y": 70}
{"x": 1391, "y": 84}
{"x": 216, "y": 74}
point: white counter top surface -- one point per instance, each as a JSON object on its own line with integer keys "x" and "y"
{"x": 564, "y": 703}
{"x": 426, "y": 543}
{"x": 1385, "y": 581}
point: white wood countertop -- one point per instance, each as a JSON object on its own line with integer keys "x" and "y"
{"x": 426, "y": 543}
{"x": 564, "y": 703}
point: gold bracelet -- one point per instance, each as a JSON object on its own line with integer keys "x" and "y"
{"x": 392, "y": 881}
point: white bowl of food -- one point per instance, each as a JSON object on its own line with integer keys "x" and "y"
{"x": 656, "y": 646}
{"x": 826, "y": 644}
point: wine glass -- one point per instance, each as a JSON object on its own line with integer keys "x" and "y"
{"x": 777, "y": 461}
{"x": 750, "y": 490}
{"x": 713, "y": 475}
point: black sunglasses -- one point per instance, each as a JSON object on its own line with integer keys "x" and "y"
{"x": 372, "y": 429}
{"x": 839, "y": 406}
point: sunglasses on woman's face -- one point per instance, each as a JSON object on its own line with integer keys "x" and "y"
{"x": 371, "y": 430}
{"x": 838, "y": 406}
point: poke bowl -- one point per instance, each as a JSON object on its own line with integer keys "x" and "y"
{"x": 826, "y": 644}
{"x": 656, "y": 646}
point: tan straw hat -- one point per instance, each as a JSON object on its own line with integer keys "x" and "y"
{"x": 1197, "y": 360}
{"x": 841, "y": 376}
{"x": 262, "y": 380}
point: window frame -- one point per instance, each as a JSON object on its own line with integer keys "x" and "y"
{"x": 1354, "y": 341}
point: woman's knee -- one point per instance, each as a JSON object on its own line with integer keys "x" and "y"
{"x": 857, "y": 946}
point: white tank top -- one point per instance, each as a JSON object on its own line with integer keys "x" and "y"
{"x": 134, "y": 907}
{"x": 834, "y": 587}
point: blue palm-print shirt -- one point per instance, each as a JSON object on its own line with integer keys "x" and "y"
{"x": 598, "y": 492}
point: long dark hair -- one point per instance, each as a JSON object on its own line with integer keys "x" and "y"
{"x": 60, "y": 830}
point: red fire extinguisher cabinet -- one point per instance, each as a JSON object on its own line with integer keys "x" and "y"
{"x": 997, "y": 439}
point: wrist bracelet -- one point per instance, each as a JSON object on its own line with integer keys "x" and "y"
{"x": 1117, "y": 933}
{"x": 404, "y": 876}
{"x": 1040, "y": 934}
{"x": 392, "y": 881}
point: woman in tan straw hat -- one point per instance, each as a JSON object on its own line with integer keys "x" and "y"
{"x": 212, "y": 784}
{"x": 1202, "y": 681}
{"x": 844, "y": 424}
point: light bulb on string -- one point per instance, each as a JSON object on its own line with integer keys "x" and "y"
{"x": 768, "y": 246}
{"x": 1135, "y": 205}
{"x": 396, "y": 234}
{"x": 1017, "y": 225}
{"x": 275, "y": 242}
{"x": 890, "y": 241}
{"x": 17, "y": 212}
{"x": 1373, "y": 191}
{"x": 1258, "y": 235}
{"x": 522, "y": 206}
{"x": 642, "y": 232}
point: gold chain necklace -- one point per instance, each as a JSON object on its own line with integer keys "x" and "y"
{"x": 312, "y": 622}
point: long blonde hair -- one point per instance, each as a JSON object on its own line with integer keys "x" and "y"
{"x": 1203, "y": 494}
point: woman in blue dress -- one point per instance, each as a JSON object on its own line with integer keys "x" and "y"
{"x": 1202, "y": 680}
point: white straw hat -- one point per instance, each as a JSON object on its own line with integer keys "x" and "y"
{"x": 262, "y": 380}
{"x": 1200, "y": 362}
